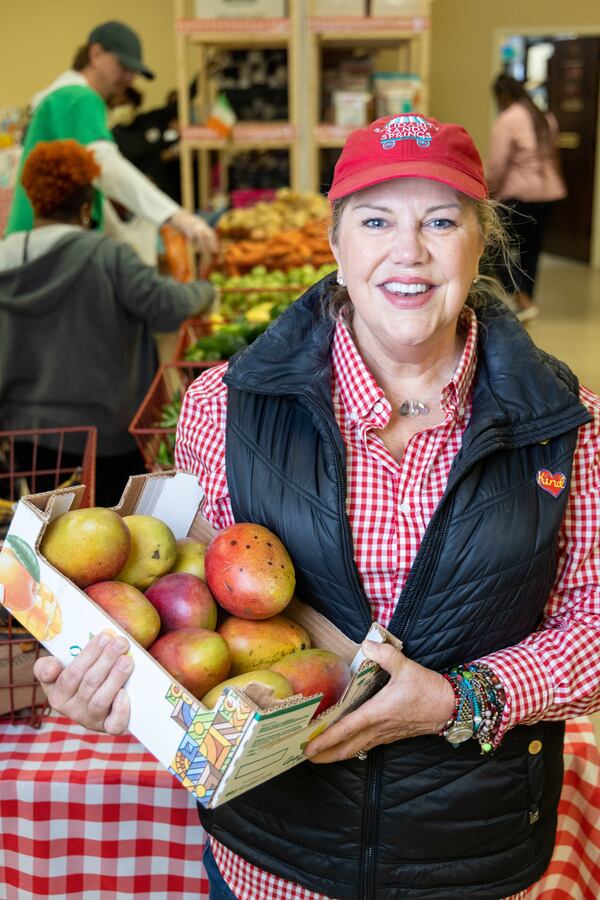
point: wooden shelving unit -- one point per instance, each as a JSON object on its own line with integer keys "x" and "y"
{"x": 405, "y": 38}
{"x": 304, "y": 38}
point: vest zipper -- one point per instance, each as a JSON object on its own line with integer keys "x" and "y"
{"x": 348, "y": 547}
{"x": 375, "y": 757}
{"x": 431, "y": 545}
{"x": 429, "y": 551}
{"x": 369, "y": 824}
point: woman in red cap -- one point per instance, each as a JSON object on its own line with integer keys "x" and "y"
{"x": 429, "y": 468}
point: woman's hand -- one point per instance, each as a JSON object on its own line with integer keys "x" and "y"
{"x": 90, "y": 689}
{"x": 415, "y": 701}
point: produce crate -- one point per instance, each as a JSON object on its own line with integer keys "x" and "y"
{"x": 28, "y": 466}
{"x": 43, "y": 459}
{"x": 21, "y": 697}
{"x": 154, "y": 424}
{"x": 190, "y": 331}
{"x": 249, "y": 196}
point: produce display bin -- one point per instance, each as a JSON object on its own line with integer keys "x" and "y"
{"x": 21, "y": 697}
{"x": 236, "y": 304}
{"x": 43, "y": 459}
{"x": 190, "y": 331}
{"x": 154, "y": 425}
{"x": 249, "y": 196}
{"x": 32, "y": 461}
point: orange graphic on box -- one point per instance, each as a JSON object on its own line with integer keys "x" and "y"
{"x": 22, "y": 592}
{"x": 209, "y": 742}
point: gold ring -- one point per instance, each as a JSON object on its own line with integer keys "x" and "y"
{"x": 362, "y": 755}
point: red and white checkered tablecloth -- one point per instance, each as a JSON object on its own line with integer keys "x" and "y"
{"x": 574, "y": 872}
{"x": 95, "y": 817}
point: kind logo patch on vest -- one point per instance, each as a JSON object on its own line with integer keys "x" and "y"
{"x": 553, "y": 483}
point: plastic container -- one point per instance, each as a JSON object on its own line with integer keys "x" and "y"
{"x": 243, "y": 197}
{"x": 396, "y": 93}
{"x": 350, "y": 108}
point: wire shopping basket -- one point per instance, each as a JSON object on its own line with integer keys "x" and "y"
{"x": 32, "y": 461}
{"x": 154, "y": 424}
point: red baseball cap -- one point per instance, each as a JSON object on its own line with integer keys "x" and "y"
{"x": 409, "y": 146}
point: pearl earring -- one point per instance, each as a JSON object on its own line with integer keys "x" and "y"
{"x": 340, "y": 281}
{"x": 477, "y": 279}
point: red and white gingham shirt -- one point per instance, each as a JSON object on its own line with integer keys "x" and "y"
{"x": 555, "y": 672}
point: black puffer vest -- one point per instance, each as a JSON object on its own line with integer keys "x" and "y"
{"x": 418, "y": 819}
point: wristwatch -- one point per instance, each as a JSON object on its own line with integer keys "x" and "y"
{"x": 460, "y": 731}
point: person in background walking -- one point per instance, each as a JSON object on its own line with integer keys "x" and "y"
{"x": 523, "y": 172}
{"x": 75, "y": 106}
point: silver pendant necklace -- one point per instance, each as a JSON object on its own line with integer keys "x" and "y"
{"x": 413, "y": 408}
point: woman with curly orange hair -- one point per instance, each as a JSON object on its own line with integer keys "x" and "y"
{"x": 77, "y": 312}
{"x": 58, "y": 178}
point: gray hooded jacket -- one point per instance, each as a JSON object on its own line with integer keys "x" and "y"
{"x": 76, "y": 323}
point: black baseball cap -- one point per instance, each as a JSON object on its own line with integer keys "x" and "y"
{"x": 120, "y": 39}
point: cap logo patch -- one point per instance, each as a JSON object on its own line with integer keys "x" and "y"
{"x": 407, "y": 128}
{"x": 553, "y": 484}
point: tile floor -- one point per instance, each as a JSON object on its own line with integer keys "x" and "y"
{"x": 568, "y": 295}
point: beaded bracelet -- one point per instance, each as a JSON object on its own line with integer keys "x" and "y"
{"x": 478, "y": 705}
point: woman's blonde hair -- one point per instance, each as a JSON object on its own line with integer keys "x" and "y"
{"x": 496, "y": 246}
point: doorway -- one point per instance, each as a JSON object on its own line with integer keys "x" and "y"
{"x": 562, "y": 75}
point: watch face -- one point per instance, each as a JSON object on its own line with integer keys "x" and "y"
{"x": 460, "y": 732}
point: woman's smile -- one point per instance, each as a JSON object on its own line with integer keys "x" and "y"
{"x": 407, "y": 293}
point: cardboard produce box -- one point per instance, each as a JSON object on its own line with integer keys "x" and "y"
{"x": 339, "y": 8}
{"x": 240, "y": 9}
{"x": 216, "y": 754}
{"x": 399, "y": 7}
{"x": 18, "y": 688}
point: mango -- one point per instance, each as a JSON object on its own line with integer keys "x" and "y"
{"x": 249, "y": 571}
{"x": 152, "y": 553}
{"x": 316, "y": 672}
{"x": 259, "y": 644}
{"x": 87, "y": 545}
{"x": 279, "y": 685}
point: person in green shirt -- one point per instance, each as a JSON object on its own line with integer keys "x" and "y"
{"x": 75, "y": 106}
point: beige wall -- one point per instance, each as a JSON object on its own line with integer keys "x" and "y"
{"x": 463, "y": 50}
{"x": 464, "y": 56}
{"x": 38, "y": 39}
